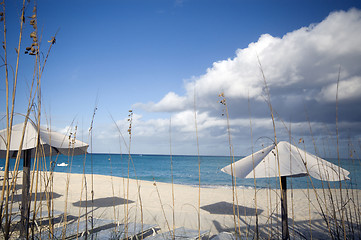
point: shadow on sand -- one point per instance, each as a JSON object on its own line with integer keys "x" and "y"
{"x": 103, "y": 202}
{"x": 226, "y": 208}
{"x": 40, "y": 196}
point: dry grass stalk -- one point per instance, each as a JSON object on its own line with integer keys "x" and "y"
{"x": 130, "y": 161}
{"x": 72, "y": 138}
{"x": 254, "y": 172}
{"x": 113, "y": 191}
{"x": 161, "y": 204}
{"x": 338, "y": 153}
{"x": 130, "y": 120}
{"x": 171, "y": 172}
{"x": 234, "y": 180}
{"x": 91, "y": 163}
{"x": 267, "y": 98}
{"x": 291, "y": 184}
{"x": 199, "y": 167}
{"x": 9, "y": 115}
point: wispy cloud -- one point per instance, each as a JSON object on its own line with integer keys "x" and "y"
{"x": 179, "y": 2}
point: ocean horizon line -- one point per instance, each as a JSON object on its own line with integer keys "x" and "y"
{"x": 237, "y": 157}
{"x": 163, "y": 154}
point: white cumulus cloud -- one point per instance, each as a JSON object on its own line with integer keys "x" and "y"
{"x": 170, "y": 103}
{"x": 348, "y": 89}
{"x": 301, "y": 69}
{"x": 302, "y": 62}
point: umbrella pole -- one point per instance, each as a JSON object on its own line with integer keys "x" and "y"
{"x": 25, "y": 195}
{"x": 285, "y": 233}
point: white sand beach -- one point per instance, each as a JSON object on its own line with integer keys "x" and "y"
{"x": 113, "y": 199}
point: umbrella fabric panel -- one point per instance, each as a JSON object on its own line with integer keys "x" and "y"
{"x": 314, "y": 166}
{"x": 59, "y": 140}
{"x": 72, "y": 151}
{"x": 59, "y": 143}
{"x": 30, "y": 137}
{"x": 45, "y": 151}
{"x": 323, "y": 170}
{"x": 244, "y": 167}
{"x": 263, "y": 164}
{"x": 291, "y": 162}
{"x": 280, "y": 162}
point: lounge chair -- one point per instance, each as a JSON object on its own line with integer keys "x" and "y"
{"x": 40, "y": 216}
{"x": 121, "y": 231}
{"x": 225, "y": 236}
{"x": 75, "y": 229}
{"x": 179, "y": 233}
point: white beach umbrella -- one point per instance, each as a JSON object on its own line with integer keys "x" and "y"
{"x": 57, "y": 142}
{"x": 293, "y": 162}
{"x": 46, "y": 142}
{"x": 285, "y": 160}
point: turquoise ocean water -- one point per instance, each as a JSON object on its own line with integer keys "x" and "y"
{"x": 185, "y": 170}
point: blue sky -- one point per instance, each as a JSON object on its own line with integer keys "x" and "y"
{"x": 149, "y": 55}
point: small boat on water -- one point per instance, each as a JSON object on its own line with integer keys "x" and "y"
{"x": 62, "y": 164}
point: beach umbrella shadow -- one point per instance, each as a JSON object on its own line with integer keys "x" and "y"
{"x": 17, "y": 187}
{"x": 226, "y": 208}
{"x": 40, "y": 196}
{"x": 103, "y": 202}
